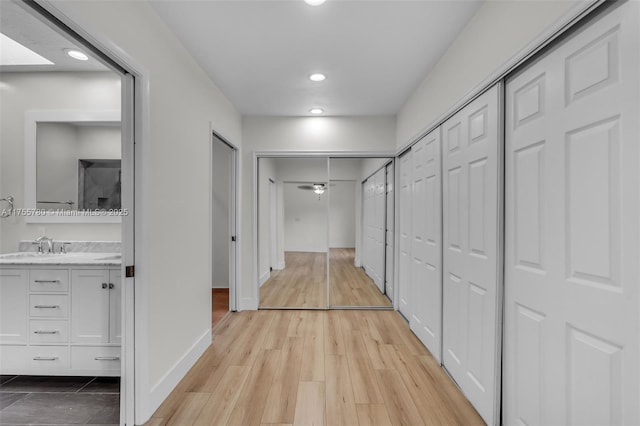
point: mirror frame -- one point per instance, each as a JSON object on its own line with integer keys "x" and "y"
{"x": 32, "y": 118}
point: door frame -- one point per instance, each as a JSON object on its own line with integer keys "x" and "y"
{"x": 134, "y": 393}
{"x": 234, "y": 251}
{"x": 273, "y": 224}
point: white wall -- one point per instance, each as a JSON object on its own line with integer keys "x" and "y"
{"x": 342, "y": 213}
{"x": 220, "y": 176}
{"x": 346, "y": 134}
{"x": 175, "y": 201}
{"x": 59, "y": 146}
{"x": 21, "y": 92}
{"x": 497, "y": 32}
{"x": 305, "y": 219}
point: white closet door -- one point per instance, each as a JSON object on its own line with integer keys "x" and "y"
{"x": 379, "y": 209}
{"x": 426, "y": 244}
{"x": 389, "y": 238}
{"x": 572, "y": 230}
{"x": 404, "y": 225}
{"x": 470, "y": 263}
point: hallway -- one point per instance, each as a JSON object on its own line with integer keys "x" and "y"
{"x": 315, "y": 367}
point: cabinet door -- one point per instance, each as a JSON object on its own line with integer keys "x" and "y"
{"x": 115, "y": 303}
{"x": 13, "y": 306}
{"x": 90, "y": 306}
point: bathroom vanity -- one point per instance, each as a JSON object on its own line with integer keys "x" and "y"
{"x": 60, "y": 314}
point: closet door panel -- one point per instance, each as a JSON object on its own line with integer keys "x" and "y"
{"x": 470, "y": 258}
{"x": 426, "y": 247}
{"x": 404, "y": 267}
{"x": 572, "y": 274}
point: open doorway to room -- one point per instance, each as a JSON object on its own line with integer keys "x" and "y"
{"x": 223, "y": 228}
{"x": 66, "y": 327}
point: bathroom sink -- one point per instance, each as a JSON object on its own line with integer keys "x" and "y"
{"x": 113, "y": 257}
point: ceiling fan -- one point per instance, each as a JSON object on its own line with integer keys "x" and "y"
{"x": 318, "y": 188}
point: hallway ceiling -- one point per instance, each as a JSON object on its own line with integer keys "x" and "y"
{"x": 261, "y": 52}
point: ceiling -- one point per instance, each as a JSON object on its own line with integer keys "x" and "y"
{"x": 21, "y": 25}
{"x": 261, "y": 52}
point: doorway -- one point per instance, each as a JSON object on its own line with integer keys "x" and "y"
{"x": 223, "y": 228}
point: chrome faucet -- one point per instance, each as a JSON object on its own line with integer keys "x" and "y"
{"x": 47, "y": 240}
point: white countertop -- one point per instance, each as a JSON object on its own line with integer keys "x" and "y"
{"x": 57, "y": 259}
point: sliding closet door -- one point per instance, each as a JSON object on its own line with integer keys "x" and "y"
{"x": 426, "y": 247}
{"x": 470, "y": 264}
{"x": 389, "y": 239}
{"x": 404, "y": 268}
{"x": 379, "y": 212}
{"x": 572, "y": 230}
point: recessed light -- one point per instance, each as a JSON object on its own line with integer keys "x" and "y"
{"x": 76, "y": 54}
{"x": 317, "y": 77}
{"x": 314, "y": 2}
{"x": 316, "y": 111}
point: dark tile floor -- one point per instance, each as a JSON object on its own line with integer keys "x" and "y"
{"x": 52, "y": 400}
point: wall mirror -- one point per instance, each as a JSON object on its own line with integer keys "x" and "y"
{"x": 325, "y": 232}
{"x": 292, "y": 232}
{"x": 72, "y": 166}
{"x": 360, "y": 232}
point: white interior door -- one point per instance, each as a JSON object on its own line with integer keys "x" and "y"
{"x": 379, "y": 209}
{"x": 470, "y": 258}
{"x": 389, "y": 237}
{"x": 572, "y": 230}
{"x": 404, "y": 230}
{"x": 426, "y": 243}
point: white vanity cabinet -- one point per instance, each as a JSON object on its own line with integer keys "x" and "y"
{"x": 60, "y": 320}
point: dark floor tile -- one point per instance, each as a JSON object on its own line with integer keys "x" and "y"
{"x": 6, "y": 399}
{"x": 5, "y": 378}
{"x": 108, "y": 415}
{"x": 45, "y": 384}
{"x": 58, "y": 408}
{"x": 103, "y": 385}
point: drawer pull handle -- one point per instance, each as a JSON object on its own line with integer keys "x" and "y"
{"x": 46, "y": 332}
{"x": 47, "y": 306}
{"x": 111, "y": 286}
{"x": 47, "y": 281}
{"x": 104, "y": 285}
{"x": 107, "y": 358}
{"x": 45, "y": 358}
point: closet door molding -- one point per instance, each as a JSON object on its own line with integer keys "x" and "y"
{"x": 471, "y": 256}
{"x": 404, "y": 235}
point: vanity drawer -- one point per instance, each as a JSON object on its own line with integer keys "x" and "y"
{"x": 49, "y": 305}
{"x": 49, "y": 280}
{"x": 98, "y": 359}
{"x": 48, "y": 357}
{"x": 48, "y": 331}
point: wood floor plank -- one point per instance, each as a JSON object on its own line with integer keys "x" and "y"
{"x": 189, "y": 408}
{"x": 373, "y": 415}
{"x": 251, "y": 402}
{"x": 223, "y": 399}
{"x": 334, "y": 339}
{"x": 313, "y": 349}
{"x": 310, "y": 404}
{"x": 341, "y": 408}
{"x": 281, "y": 403}
{"x": 277, "y": 333}
{"x": 363, "y": 380}
{"x": 401, "y": 408}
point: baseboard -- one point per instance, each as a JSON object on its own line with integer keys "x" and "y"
{"x": 356, "y": 262}
{"x": 264, "y": 277}
{"x": 225, "y": 285}
{"x": 342, "y": 245}
{"x": 248, "y": 304}
{"x": 161, "y": 390}
{"x": 280, "y": 265}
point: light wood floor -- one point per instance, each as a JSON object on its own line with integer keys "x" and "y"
{"x": 351, "y": 286}
{"x": 315, "y": 367}
{"x": 302, "y": 284}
